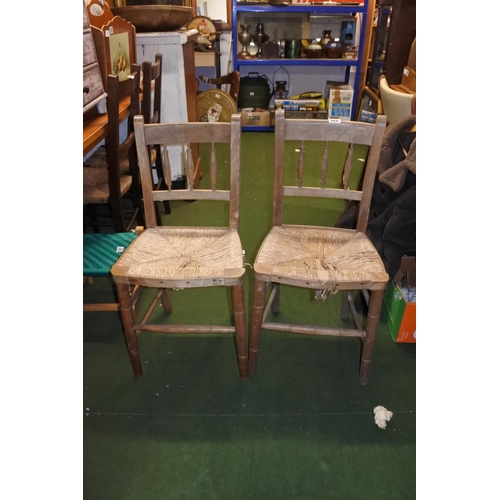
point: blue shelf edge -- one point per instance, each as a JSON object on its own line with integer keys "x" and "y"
{"x": 298, "y": 62}
{"x": 257, "y": 129}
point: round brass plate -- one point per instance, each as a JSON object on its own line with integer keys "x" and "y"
{"x": 215, "y": 105}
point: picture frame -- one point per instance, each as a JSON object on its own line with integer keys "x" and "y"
{"x": 370, "y": 106}
{"x": 115, "y": 42}
{"x": 119, "y": 42}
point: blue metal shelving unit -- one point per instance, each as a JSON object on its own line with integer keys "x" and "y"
{"x": 334, "y": 10}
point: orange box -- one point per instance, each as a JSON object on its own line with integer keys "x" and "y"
{"x": 401, "y": 315}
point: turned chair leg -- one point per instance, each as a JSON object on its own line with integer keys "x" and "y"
{"x": 275, "y": 306}
{"x": 240, "y": 327}
{"x": 374, "y": 309}
{"x": 165, "y": 302}
{"x": 344, "y": 311}
{"x": 127, "y": 315}
{"x": 257, "y": 314}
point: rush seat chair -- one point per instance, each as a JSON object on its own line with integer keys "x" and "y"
{"x": 324, "y": 259}
{"x": 175, "y": 257}
{"x": 108, "y": 186}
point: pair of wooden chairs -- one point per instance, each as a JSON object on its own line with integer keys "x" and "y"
{"x": 324, "y": 259}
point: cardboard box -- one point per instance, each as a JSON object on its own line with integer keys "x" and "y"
{"x": 400, "y": 314}
{"x": 339, "y": 98}
{"x": 297, "y": 104}
{"x": 255, "y": 118}
{"x": 301, "y": 115}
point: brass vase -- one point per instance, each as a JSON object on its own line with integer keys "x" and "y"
{"x": 245, "y": 37}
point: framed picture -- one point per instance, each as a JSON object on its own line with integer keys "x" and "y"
{"x": 370, "y": 106}
{"x": 120, "y": 50}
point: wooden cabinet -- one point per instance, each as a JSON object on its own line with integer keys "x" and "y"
{"x": 93, "y": 89}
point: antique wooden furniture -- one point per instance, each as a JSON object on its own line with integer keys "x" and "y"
{"x": 151, "y": 110}
{"x": 325, "y": 259}
{"x": 179, "y": 94}
{"x": 93, "y": 88}
{"x": 176, "y": 257}
{"x": 116, "y": 48}
{"x": 231, "y": 79}
{"x": 396, "y": 105}
{"x": 108, "y": 186}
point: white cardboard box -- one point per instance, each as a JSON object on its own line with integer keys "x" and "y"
{"x": 340, "y": 101}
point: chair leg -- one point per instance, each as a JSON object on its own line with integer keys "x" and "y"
{"x": 275, "y": 306}
{"x": 240, "y": 327}
{"x": 344, "y": 311}
{"x": 127, "y": 315}
{"x": 374, "y": 308}
{"x": 257, "y": 314}
{"x": 165, "y": 302}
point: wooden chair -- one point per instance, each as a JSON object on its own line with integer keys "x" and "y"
{"x": 231, "y": 79}
{"x": 325, "y": 259}
{"x": 396, "y": 105}
{"x": 151, "y": 110}
{"x": 108, "y": 186}
{"x": 185, "y": 257}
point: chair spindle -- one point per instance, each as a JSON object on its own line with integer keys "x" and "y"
{"x": 167, "y": 171}
{"x": 190, "y": 166}
{"x": 324, "y": 165}
{"x": 348, "y": 166}
{"x": 300, "y": 166}
{"x": 213, "y": 167}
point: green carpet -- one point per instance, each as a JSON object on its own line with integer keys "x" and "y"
{"x": 301, "y": 427}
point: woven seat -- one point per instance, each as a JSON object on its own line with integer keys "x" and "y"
{"x": 96, "y": 185}
{"x": 325, "y": 259}
{"x": 98, "y": 160}
{"x": 185, "y": 257}
{"x": 170, "y": 254}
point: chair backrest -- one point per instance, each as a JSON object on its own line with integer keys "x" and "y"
{"x": 116, "y": 47}
{"x": 119, "y": 93}
{"x": 352, "y": 134}
{"x": 152, "y": 73}
{"x": 188, "y": 134}
{"x": 395, "y": 105}
{"x": 99, "y": 12}
{"x": 232, "y": 79}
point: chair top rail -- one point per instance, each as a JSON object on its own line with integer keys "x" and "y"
{"x": 199, "y": 132}
{"x": 320, "y": 130}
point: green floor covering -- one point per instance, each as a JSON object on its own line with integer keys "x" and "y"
{"x": 301, "y": 428}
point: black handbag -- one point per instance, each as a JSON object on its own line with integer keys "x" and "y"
{"x": 255, "y": 91}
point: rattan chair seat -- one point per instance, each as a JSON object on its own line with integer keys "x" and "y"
{"x": 324, "y": 257}
{"x": 98, "y": 160}
{"x": 182, "y": 256}
{"x": 96, "y": 187}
